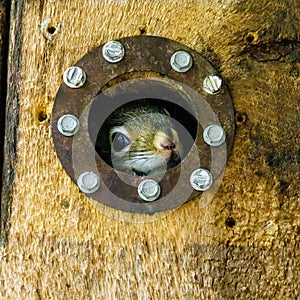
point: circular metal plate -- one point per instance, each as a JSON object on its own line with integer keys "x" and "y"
{"x": 144, "y": 57}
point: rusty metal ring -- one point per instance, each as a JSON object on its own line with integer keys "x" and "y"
{"x": 143, "y": 54}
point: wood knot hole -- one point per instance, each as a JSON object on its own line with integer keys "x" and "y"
{"x": 241, "y": 117}
{"x": 230, "y": 222}
{"x": 251, "y": 38}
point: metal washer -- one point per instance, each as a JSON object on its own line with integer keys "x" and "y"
{"x": 142, "y": 54}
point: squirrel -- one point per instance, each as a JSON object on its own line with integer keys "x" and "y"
{"x": 139, "y": 139}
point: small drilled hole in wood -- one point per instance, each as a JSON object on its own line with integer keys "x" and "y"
{"x": 143, "y": 31}
{"x": 42, "y": 116}
{"x": 230, "y": 222}
{"x": 241, "y": 117}
{"x": 251, "y": 38}
{"x": 48, "y": 29}
{"x": 51, "y": 29}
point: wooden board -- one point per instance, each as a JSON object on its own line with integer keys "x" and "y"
{"x": 244, "y": 244}
{"x": 3, "y": 68}
{"x": 7, "y": 126}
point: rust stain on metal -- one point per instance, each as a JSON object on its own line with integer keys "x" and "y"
{"x": 143, "y": 55}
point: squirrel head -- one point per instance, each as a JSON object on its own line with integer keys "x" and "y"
{"x": 143, "y": 140}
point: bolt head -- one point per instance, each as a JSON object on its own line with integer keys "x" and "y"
{"x": 149, "y": 190}
{"x": 68, "y": 125}
{"x": 113, "y": 51}
{"x": 181, "y": 61}
{"x": 214, "y": 135}
{"x": 212, "y": 84}
{"x": 201, "y": 179}
{"x": 88, "y": 182}
{"x": 74, "y": 77}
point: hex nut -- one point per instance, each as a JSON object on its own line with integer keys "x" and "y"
{"x": 214, "y": 135}
{"x": 113, "y": 51}
{"x": 74, "y": 77}
{"x": 201, "y": 179}
{"x": 88, "y": 182}
{"x": 181, "y": 61}
{"x": 212, "y": 84}
{"x": 149, "y": 190}
{"x": 68, "y": 125}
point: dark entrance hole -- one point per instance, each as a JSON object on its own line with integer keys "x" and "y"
{"x": 146, "y": 135}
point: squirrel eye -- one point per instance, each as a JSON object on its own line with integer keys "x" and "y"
{"x": 119, "y": 141}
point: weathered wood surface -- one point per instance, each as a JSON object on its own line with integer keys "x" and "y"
{"x": 4, "y": 36}
{"x": 244, "y": 245}
{"x": 2, "y": 80}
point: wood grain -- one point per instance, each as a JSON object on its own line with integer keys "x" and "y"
{"x": 10, "y": 81}
{"x": 245, "y": 244}
{"x": 3, "y": 68}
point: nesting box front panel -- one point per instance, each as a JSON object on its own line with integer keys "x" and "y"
{"x": 243, "y": 244}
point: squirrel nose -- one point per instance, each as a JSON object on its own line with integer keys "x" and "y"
{"x": 163, "y": 142}
{"x": 168, "y": 146}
